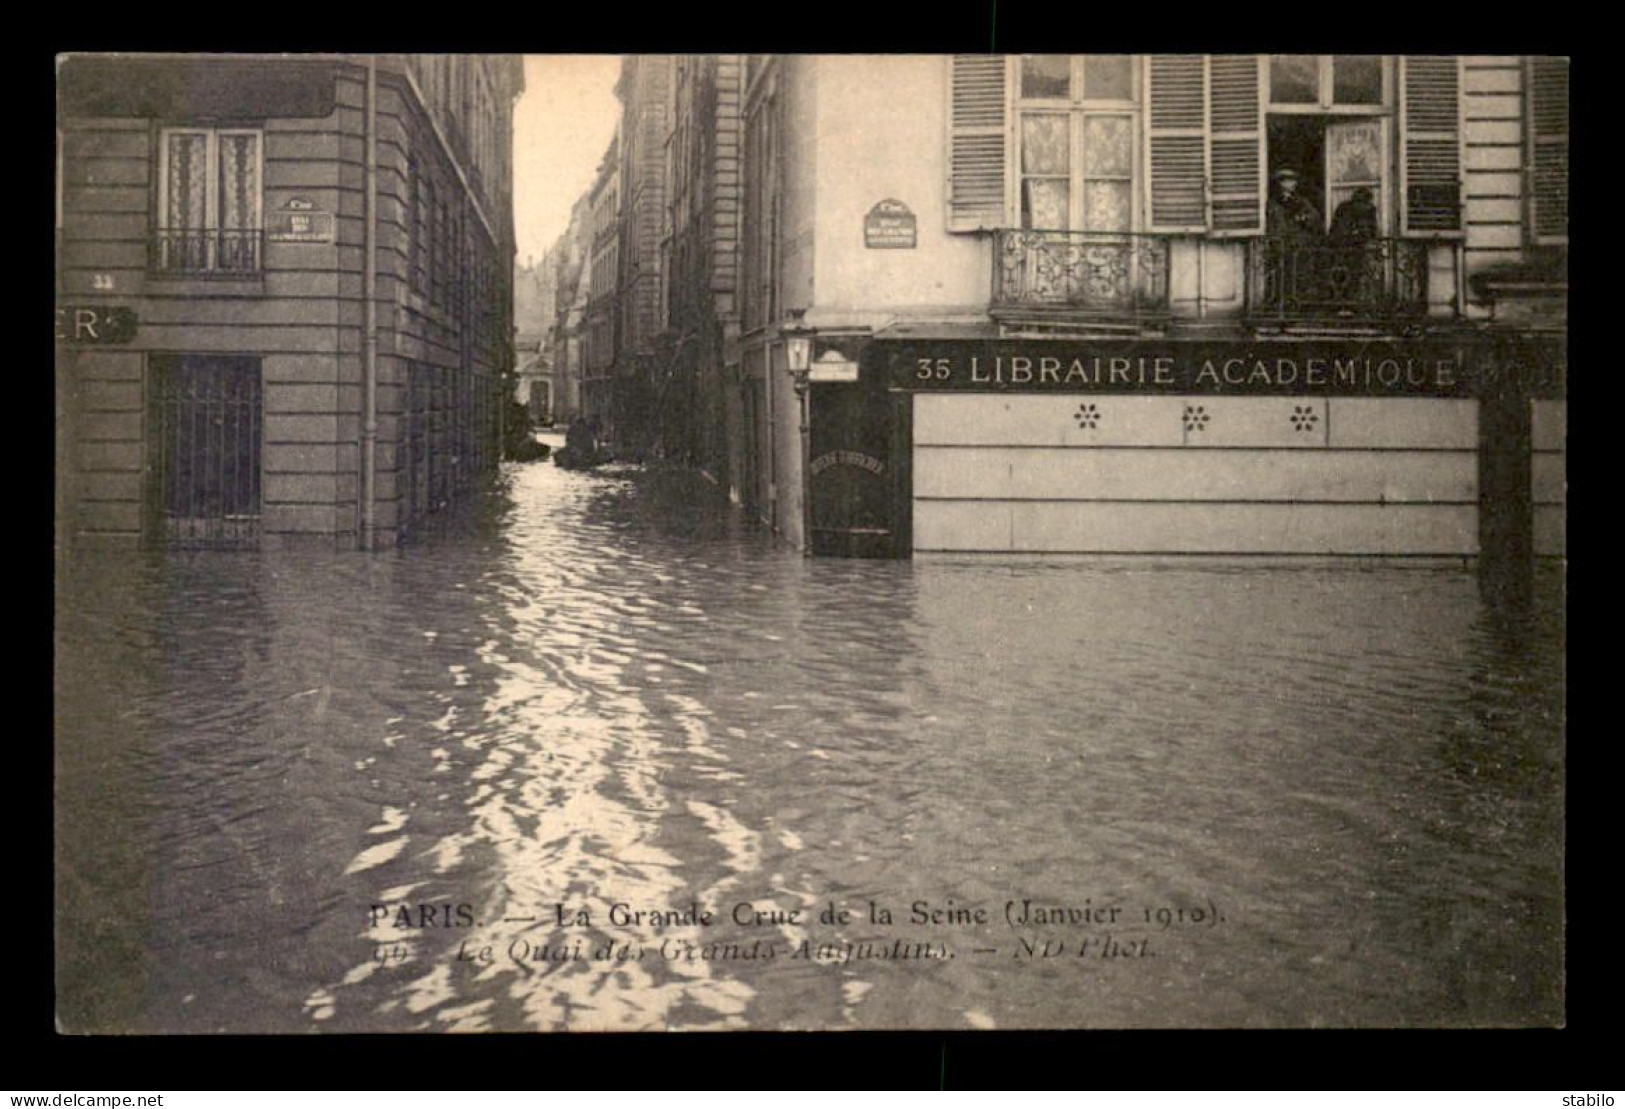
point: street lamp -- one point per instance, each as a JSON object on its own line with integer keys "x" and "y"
{"x": 798, "y": 349}
{"x": 798, "y": 338}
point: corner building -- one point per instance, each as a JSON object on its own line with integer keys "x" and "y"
{"x": 283, "y": 294}
{"x": 1054, "y": 308}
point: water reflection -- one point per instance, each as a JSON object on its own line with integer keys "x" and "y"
{"x": 601, "y": 688}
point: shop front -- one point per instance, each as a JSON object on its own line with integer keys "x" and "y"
{"x": 1447, "y": 446}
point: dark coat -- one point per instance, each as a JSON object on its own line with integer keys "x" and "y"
{"x": 1355, "y": 221}
{"x": 1292, "y": 219}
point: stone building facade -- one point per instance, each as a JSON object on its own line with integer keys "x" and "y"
{"x": 283, "y": 294}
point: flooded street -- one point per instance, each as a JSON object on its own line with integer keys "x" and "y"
{"x": 597, "y": 755}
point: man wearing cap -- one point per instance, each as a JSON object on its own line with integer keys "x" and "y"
{"x": 1293, "y": 224}
{"x": 1291, "y": 217}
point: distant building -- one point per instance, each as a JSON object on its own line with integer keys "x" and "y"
{"x": 284, "y": 293}
{"x": 535, "y": 305}
{"x": 601, "y": 314}
{"x": 700, "y": 412}
{"x": 570, "y": 257}
{"x": 644, "y": 89}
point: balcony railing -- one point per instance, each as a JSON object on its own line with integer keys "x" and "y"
{"x": 1375, "y": 280}
{"x": 1110, "y": 274}
{"x": 193, "y": 251}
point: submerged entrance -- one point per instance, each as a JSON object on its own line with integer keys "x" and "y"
{"x": 205, "y": 414}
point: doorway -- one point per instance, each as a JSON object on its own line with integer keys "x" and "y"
{"x": 1333, "y": 158}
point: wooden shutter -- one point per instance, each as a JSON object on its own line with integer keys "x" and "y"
{"x": 1548, "y": 174}
{"x": 1235, "y": 145}
{"x": 976, "y": 142}
{"x": 1430, "y": 144}
{"x": 1176, "y": 146}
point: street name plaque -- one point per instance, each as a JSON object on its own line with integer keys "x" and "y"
{"x": 890, "y": 225}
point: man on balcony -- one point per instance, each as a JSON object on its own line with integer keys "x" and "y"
{"x": 1355, "y": 263}
{"x": 1293, "y": 224}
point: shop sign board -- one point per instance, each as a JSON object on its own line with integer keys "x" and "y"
{"x": 94, "y": 324}
{"x": 1367, "y": 367}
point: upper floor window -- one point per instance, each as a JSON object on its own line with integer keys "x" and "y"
{"x": 210, "y": 185}
{"x": 1327, "y": 80}
{"x": 1076, "y": 142}
{"x": 1189, "y": 143}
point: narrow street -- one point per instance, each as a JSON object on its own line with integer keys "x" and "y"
{"x": 523, "y": 773}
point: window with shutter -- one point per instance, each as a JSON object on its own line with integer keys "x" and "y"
{"x": 1548, "y": 82}
{"x": 977, "y": 138}
{"x": 1235, "y": 144}
{"x": 1075, "y": 142}
{"x": 1430, "y": 144}
{"x": 1176, "y": 147}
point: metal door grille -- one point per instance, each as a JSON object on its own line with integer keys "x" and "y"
{"x": 205, "y": 416}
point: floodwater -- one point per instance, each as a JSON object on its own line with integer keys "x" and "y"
{"x": 543, "y": 769}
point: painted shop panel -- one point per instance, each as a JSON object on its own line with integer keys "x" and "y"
{"x": 975, "y": 472}
{"x": 1425, "y": 477}
{"x": 1551, "y": 523}
{"x": 1549, "y": 425}
{"x": 1255, "y": 422}
{"x": 962, "y": 526}
{"x": 1430, "y": 423}
{"x": 1549, "y": 478}
{"x": 1246, "y": 528}
{"x": 1050, "y": 421}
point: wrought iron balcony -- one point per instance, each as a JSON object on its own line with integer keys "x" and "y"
{"x": 1375, "y": 280}
{"x": 1106, "y": 274}
{"x": 212, "y": 251}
